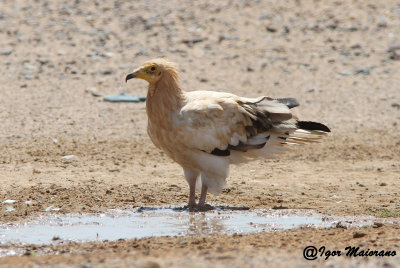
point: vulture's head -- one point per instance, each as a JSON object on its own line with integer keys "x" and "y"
{"x": 154, "y": 70}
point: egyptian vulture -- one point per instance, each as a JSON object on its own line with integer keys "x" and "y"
{"x": 205, "y": 131}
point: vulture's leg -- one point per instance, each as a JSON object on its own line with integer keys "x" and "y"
{"x": 191, "y": 177}
{"x": 203, "y": 195}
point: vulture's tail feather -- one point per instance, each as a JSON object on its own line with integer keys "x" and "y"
{"x": 314, "y": 126}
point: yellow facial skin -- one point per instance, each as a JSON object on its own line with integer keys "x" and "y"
{"x": 148, "y": 72}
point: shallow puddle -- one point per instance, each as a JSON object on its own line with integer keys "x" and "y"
{"x": 145, "y": 222}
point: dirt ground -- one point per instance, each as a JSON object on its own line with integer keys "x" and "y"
{"x": 340, "y": 59}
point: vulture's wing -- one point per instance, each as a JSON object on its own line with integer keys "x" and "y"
{"x": 217, "y": 122}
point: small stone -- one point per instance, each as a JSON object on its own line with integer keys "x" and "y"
{"x": 365, "y": 71}
{"x": 5, "y": 52}
{"x": 223, "y": 37}
{"x": 250, "y": 69}
{"x": 51, "y": 208}
{"x": 68, "y": 156}
{"x": 108, "y": 72}
{"x": 356, "y": 46}
{"x": 396, "y": 105}
{"x": 280, "y": 207}
{"x": 377, "y": 225}
{"x": 9, "y": 201}
{"x": 28, "y": 65}
{"x": 340, "y": 225}
{"x": 383, "y": 184}
{"x": 394, "y": 52}
{"x": 27, "y": 76}
{"x": 109, "y": 54}
{"x": 345, "y": 73}
{"x": 358, "y": 235}
{"x": 286, "y": 29}
{"x": 270, "y": 29}
{"x": 9, "y": 208}
{"x": 94, "y": 92}
{"x": 263, "y": 63}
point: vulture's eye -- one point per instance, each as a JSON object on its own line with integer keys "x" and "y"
{"x": 153, "y": 68}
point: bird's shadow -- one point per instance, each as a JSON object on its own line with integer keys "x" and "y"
{"x": 205, "y": 208}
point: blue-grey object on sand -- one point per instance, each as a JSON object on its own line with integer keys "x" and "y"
{"x": 122, "y": 97}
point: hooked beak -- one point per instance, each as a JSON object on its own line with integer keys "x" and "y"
{"x": 130, "y": 76}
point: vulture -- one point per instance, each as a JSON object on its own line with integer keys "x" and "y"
{"x": 206, "y": 131}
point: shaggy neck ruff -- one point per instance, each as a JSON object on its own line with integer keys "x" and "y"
{"x": 164, "y": 96}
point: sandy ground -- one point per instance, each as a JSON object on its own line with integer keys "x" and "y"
{"x": 338, "y": 58}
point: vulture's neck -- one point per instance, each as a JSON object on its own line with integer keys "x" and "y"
{"x": 164, "y": 96}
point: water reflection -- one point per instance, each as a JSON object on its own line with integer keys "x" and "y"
{"x": 156, "y": 221}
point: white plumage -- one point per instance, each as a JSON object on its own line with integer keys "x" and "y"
{"x": 205, "y": 131}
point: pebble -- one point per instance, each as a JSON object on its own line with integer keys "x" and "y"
{"x": 270, "y": 29}
{"x": 345, "y": 73}
{"x": 94, "y": 92}
{"x": 28, "y": 65}
{"x": 9, "y": 208}
{"x": 377, "y": 225}
{"x": 95, "y": 57}
{"x": 68, "y": 156}
{"x": 358, "y": 235}
{"x": 193, "y": 41}
{"x": 286, "y": 29}
{"x": 394, "y": 52}
{"x": 109, "y": 54}
{"x": 396, "y": 105}
{"x": 27, "y": 76}
{"x": 365, "y": 71}
{"x": 341, "y": 225}
{"x": 9, "y": 201}
{"x": 52, "y": 208}
{"x": 108, "y": 72}
{"x": 61, "y": 52}
{"x": 5, "y": 52}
